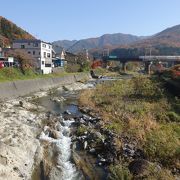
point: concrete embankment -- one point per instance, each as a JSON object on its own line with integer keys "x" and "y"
{"x": 24, "y": 87}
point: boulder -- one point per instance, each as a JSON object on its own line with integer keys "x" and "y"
{"x": 54, "y": 134}
{"x": 141, "y": 167}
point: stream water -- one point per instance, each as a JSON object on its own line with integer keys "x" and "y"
{"x": 64, "y": 143}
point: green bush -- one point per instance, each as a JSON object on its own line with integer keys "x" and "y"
{"x": 163, "y": 145}
{"x": 132, "y": 66}
{"x": 119, "y": 172}
{"x": 72, "y": 68}
{"x": 145, "y": 87}
{"x": 173, "y": 116}
{"x": 81, "y": 130}
{"x": 85, "y": 66}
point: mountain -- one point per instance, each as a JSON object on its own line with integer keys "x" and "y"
{"x": 166, "y": 42}
{"x": 107, "y": 40}
{"x": 64, "y": 43}
{"x": 169, "y": 37}
{"x": 10, "y": 31}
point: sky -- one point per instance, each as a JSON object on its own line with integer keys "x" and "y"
{"x": 52, "y": 20}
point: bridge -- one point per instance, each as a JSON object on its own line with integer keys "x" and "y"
{"x": 148, "y": 60}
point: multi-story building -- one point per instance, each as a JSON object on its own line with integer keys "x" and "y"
{"x": 40, "y": 50}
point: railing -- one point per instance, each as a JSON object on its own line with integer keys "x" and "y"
{"x": 161, "y": 58}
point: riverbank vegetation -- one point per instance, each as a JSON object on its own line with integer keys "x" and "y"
{"x": 140, "y": 111}
{"x": 11, "y": 74}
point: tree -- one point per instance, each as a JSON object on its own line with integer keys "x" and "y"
{"x": 24, "y": 60}
{"x": 83, "y": 62}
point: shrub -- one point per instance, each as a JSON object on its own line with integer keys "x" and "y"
{"x": 119, "y": 172}
{"x": 145, "y": 87}
{"x": 85, "y": 66}
{"x": 163, "y": 145}
{"x": 173, "y": 116}
{"x": 81, "y": 130}
{"x": 132, "y": 66}
{"x": 25, "y": 60}
{"x": 71, "y": 68}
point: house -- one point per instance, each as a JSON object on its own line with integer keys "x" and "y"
{"x": 39, "y": 50}
{"x": 71, "y": 58}
{"x": 59, "y": 56}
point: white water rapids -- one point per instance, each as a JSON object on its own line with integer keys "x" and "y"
{"x": 68, "y": 170}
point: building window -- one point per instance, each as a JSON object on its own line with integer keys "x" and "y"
{"x": 44, "y": 45}
{"x": 42, "y": 62}
{"x": 47, "y": 65}
{"x": 39, "y": 53}
{"x": 35, "y": 44}
{"x": 49, "y": 47}
{"x": 34, "y": 52}
{"x": 48, "y": 55}
{"x": 44, "y": 54}
{"x": 29, "y": 43}
{"x": 29, "y": 52}
{"x": 22, "y": 46}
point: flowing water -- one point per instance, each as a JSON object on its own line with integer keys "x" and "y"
{"x": 63, "y": 144}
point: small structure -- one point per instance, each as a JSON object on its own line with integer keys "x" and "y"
{"x": 7, "y": 62}
{"x": 40, "y": 50}
{"x": 59, "y": 56}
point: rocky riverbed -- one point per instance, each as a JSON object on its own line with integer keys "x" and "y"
{"x": 32, "y": 136}
{"x": 48, "y": 136}
{"x": 21, "y": 123}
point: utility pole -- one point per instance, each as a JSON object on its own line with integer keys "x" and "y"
{"x": 106, "y": 52}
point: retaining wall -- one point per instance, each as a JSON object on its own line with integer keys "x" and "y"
{"x": 24, "y": 87}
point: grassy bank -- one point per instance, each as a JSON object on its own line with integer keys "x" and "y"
{"x": 143, "y": 110}
{"x": 11, "y": 74}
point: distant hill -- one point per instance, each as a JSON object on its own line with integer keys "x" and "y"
{"x": 10, "y": 31}
{"x": 64, "y": 43}
{"x": 107, "y": 40}
{"x": 166, "y": 42}
{"x": 170, "y": 37}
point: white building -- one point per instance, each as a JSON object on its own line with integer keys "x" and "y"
{"x": 42, "y": 51}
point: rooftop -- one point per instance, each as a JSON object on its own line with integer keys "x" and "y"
{"x": 30, "y": 41}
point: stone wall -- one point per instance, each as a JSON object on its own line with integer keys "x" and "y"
{"x": 24, "y": 87}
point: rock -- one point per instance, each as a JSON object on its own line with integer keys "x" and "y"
{"x": 3, "y": 160}
{"x": 82, "y": 121}
{"x": 102, "y": 160}
{"x": 58, "y": 99}
{"x": 55, "y": 173}
{"x": 100, "y": 164}
{"x": 21, "y": 103}
{"x": 85, "y": 145}
{"x": 54, "y": 134}
{"x": 27, "y": 105}
{"x": 140, "y": 167}
{"x": 92, "y": 150}
{"x": 98, "y": 135}
{"x": 67, "y": 112}
{"x": 128, "y": 150}
{"x": 85, "y": 110}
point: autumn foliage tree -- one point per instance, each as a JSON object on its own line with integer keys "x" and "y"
{"x": 25, "y": 60}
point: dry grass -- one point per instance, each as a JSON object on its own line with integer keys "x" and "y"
{"x": 140, "y": 109}
{"x": 85, "y": 98}
{"x": 140, "y": 127}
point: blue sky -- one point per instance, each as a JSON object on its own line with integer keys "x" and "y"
{"x": 77, "y": 19}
